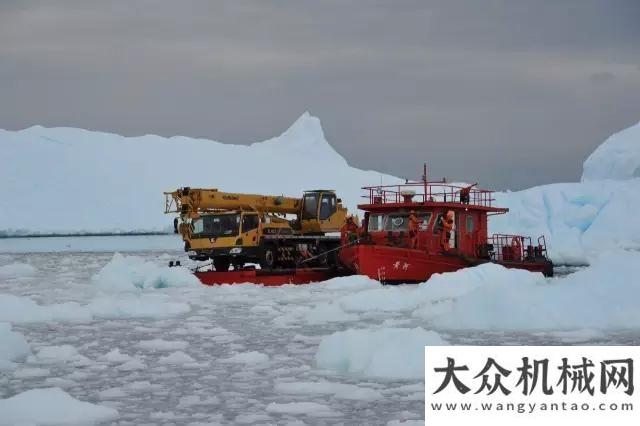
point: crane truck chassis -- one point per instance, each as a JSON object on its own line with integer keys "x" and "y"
{"x": 235, "y": 229}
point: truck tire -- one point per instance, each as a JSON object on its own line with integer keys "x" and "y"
{"x": 268, "y": 257}
{"x": 221, "y": 263}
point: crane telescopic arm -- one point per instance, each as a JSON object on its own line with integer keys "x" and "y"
{"x": 190, "y": 202}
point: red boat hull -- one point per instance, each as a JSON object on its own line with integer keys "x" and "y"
{"x": 402, "y": 265}
{"x": 266, "y": 278}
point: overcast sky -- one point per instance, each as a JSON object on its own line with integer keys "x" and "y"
{"x": 511, "y": 93}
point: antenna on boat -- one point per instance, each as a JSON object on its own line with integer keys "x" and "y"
{"x": 424, "y": 181}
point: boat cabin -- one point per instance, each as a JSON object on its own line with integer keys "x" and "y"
{"x": 387, "y": 222}
{"x": 388, "y": 210}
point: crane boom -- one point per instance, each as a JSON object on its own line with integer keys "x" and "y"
{"x": 190, "y": 202}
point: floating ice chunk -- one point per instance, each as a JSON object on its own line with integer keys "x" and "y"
{"x": 143, "y": 306}
{"x": 177, "y": 358}
{"x": 114, "y": 356}
{"x": 24, "y": 310}
{"x": 16, "y": 270}
{"x": 131, "y": 273}
{"x": 306, "y": 408}
{"x": 26, "y": 373}
{"x": 339, "y": 390}
{"x": 163, "y": 345}
{"x": 603, "y": 296}
{"x": 13, "y": 346}
{"x": 19, "y": 309}
{"x": 252, "y": 357}
{"x": 112, "y": 393}
{"x": 51, "y": 406}
{"x": 248, "y": 419}
{"x": 205, "y": 330}
{"x": 394, "y": 353}
{"x": 212, "y": 420}
{"x": 351, "y": 283}
{"x": 59, "y": 382}
{"x": 133, "y": 365}
{"x": 192, "y": 400}
{"x": 142, "y": 386}
{"x": 328, "y": 312}
{"x": 164, "y": 415}
{"x": 406, "y": 423}
{"x": 59, "y": 354}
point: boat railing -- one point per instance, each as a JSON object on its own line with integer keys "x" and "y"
{"x": 516, "y": 248}
{"x": 424, "y": 192}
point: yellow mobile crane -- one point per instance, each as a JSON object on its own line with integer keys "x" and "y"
{"x": 234, "y": 229}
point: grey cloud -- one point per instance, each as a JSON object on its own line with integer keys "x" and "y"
{"x": 602, "y": 77}
{"x": 508, "y": 93}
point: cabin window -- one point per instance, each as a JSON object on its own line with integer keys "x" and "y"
{"x": 469, "y": 223}
{"x": 397, "y": 222}
{"x": 310, "y": 208}
{"x": 219, "y": 225}
{"x": 249, "y": 222}
{"x": 425, "y": 218}
{"x": 437, "y": 226}
{"x": 376, "y": 222}
{"x": 198, "y": 226}
{"x": 327, "y": 206}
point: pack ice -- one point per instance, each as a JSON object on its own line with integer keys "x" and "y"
{"x": 104, "y": 174}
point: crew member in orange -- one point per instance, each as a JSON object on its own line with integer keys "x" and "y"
{"x": 348, "y": 231}
{"x": 414, "y": 226}
{"x": 447, "y": 226}
{"x": 516, "y": 248}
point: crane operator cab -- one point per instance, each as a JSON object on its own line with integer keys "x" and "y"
{"x": 322, "y": 211}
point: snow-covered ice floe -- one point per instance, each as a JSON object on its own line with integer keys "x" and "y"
{"x": 131, "y": 273}
{"x": 21, "y": 309}
{"x": 13, "y": 346}
{"x": 392, "y": 353}
{"x": 579, "y": 219}
{"x": 51, "y": 406}
{"x": 16, "y": 270}
{"x": 491, "y": 297}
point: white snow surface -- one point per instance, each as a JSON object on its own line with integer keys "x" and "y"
{"x": 616, "y": 158}
{"x": 51, "y": 406}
